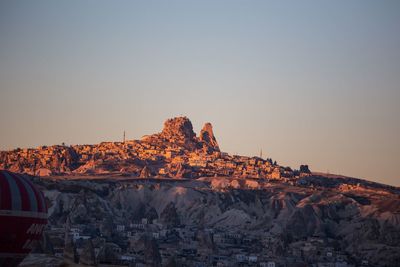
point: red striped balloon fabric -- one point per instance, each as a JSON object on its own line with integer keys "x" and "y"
{"x": 23, "y": 216}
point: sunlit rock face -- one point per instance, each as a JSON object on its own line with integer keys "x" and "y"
{"x": 207, "y": 136}
{"x": 178, "y": 129}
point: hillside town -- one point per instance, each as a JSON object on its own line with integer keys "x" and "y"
{"x": 176, "y": 152}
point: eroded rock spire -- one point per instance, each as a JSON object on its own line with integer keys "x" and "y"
{"x": 207, "y": 136}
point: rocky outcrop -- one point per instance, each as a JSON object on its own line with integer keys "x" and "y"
{"x": 178, "y": 129}
{"x": 151, "y": 214}
{"x": 207, "y": 136}
{"x": 169, "y": 215}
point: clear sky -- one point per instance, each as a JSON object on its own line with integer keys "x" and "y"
{"x": 314, "y": 82}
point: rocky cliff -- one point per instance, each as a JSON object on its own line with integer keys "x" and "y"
{"x": 353, "y": 223}
{"x": 207, "y": 136}
{"x": 178, "y": 129}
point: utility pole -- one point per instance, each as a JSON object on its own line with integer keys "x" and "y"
{"x": 124, "y": 137}
{"x": 261, "y": 153}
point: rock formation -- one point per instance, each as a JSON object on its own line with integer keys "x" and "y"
{"x": 169, "y": 215}
{"x": 178, "y": 130}
{"x": 207, "y": 136}
{"x": 151, "y": 214}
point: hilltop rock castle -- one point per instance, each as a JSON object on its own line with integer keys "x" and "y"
{"x": 175, "y": 152}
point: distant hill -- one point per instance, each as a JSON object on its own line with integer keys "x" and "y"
{"x": 174, "y": 152}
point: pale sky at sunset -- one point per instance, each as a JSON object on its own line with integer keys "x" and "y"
{"x": 309, "y": 82}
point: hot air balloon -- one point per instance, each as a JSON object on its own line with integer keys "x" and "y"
{"x": 23, "y": 216}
